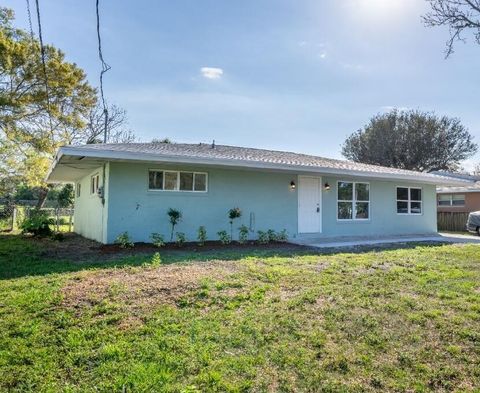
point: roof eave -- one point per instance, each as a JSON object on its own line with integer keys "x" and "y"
{"x": 153, "y": 157}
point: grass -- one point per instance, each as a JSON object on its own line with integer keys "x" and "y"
{"x": 394, "y": 320}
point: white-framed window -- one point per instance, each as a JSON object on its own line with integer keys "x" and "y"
{"x": 166, "y": 180}
{"x": 409, "y": 200}
{"x": 451, "y": 200}
{"x": 78, "y": 189}
{"x": 94, "y": 183}
{"x": 353, "y": 200}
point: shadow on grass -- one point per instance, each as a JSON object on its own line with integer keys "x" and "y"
{"x": 22, "y": 257}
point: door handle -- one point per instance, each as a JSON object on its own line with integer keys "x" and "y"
{"x": 318, "y": 210}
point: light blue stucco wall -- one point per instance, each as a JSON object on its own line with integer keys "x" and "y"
{"x": 133, "y": 208}
{"x": 384, "y": 219}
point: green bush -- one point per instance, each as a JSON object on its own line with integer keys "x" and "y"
{"x": 201, "y": 235}
{"x": 272, "y": 235}
{"x": 282, "y": 236}
{"x": 243, "y": 234}
{"x": 224, "y": 237}
{"x": 157, "y": 239}
{"x": 124, "y": 241}
{"x": 263, "y": 237}
{"x": 38, "y": 223}
{"x": 180, "y": 239}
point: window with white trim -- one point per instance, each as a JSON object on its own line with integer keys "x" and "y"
{"x": 164, "y": 180}
{"x": 94, "y": 183}
{"x": 409, "y": 200}
{"x": 451, "y": 200}
{"x": 79, "y": 190}
{"x": 353, "y": 201}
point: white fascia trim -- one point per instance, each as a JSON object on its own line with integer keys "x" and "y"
{"x": 457, "y": 191}
{"x": 54, "y": 163}
{"x": 151, "y": 157}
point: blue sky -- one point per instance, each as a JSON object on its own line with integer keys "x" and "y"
{"x": 298, "y": 75}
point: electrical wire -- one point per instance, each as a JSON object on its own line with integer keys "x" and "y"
{"x": 105, "y": 68}
{"x": 30, "y": 19}
{"x": 42, "y": 53}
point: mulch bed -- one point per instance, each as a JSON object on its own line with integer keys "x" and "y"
{"x": 77, "y": 248}
{"x": 193, "y": 246}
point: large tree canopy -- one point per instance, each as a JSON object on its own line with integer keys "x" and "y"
{"x": 38, "y": 112}
{"x": 458, "y": 15}
{"x": 411, "y": 140}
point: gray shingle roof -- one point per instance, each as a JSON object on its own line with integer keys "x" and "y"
{"x": 244, "y": 155}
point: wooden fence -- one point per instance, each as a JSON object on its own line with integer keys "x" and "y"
{"x": 452, "y": 221}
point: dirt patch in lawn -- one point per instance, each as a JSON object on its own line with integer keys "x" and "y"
{"x": 136, "y": 290}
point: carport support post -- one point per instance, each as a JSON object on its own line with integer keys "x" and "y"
{"x": 14, "y": 217}
{"x": 57, "y": 211}
{"x": 70, "y": 221}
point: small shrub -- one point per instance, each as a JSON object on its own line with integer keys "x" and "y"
{"x": 272, "y": 235}
{"x": 201, "y": 235}
{"x": 282, "y": 236}
{"x": 232, "y": 215}
{"x": 224, "y": 237}
{"x": 243, "y": 234}
{"x": 263, "y": 237}
{"x": 124, "y": 241}
{"x": 174, "y": 217}
{"x": 38, "y": 224}
{"x": 156, "y": 259}
{"x": 157, "y": 239}
{"x": 180, "y": 239}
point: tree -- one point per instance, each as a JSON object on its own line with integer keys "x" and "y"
{"x": 458, "y": 15}
{"x": 164, "y": 140}
{"x": 117, "y": 131}
{"x": 43, "y": 109}
{"x": 40, "y": 109}
{"x": 412, "y": 140}
{"x": 66, "y": 196}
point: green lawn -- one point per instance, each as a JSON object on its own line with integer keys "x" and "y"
{"x": 393, "y": 320}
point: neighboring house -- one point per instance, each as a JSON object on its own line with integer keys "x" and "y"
{"x": 462, "y": 199}
{"x": 130, "y": 187}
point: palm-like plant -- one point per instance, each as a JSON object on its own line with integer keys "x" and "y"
{"x": 232, "y": 215}
{"x": 174, "y": 216}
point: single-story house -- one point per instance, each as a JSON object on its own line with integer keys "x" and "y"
{"x": 461, "y": 199}
{"x": 130, "y": 187}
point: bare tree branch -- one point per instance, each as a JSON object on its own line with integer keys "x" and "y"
{"x": 458, "y": 16}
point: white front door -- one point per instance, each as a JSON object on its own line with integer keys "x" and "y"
{"x": 309, "y": 204}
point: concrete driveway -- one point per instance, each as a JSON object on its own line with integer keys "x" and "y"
{"x": 355, "y": 241}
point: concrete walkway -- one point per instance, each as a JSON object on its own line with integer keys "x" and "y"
{"x": 354, "y": 241}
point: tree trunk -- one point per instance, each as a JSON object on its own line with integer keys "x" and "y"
{"x": 42, "y": 196}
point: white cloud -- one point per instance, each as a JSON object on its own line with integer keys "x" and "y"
{"x": 322, "y": 55}
{"x": 211, "y": 72}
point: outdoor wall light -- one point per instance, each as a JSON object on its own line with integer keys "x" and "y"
{"x": 327, "y": 186}
{"x": 292, "y": 185}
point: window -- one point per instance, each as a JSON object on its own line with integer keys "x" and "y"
{"x": 94, "y": 183}
{"x": 353, "y": 201}
{"x": 409, "y": 200}
{"x": 451, "y": 200}
{"x": 177, "y": 181}
{"x": 79, "y": 189}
